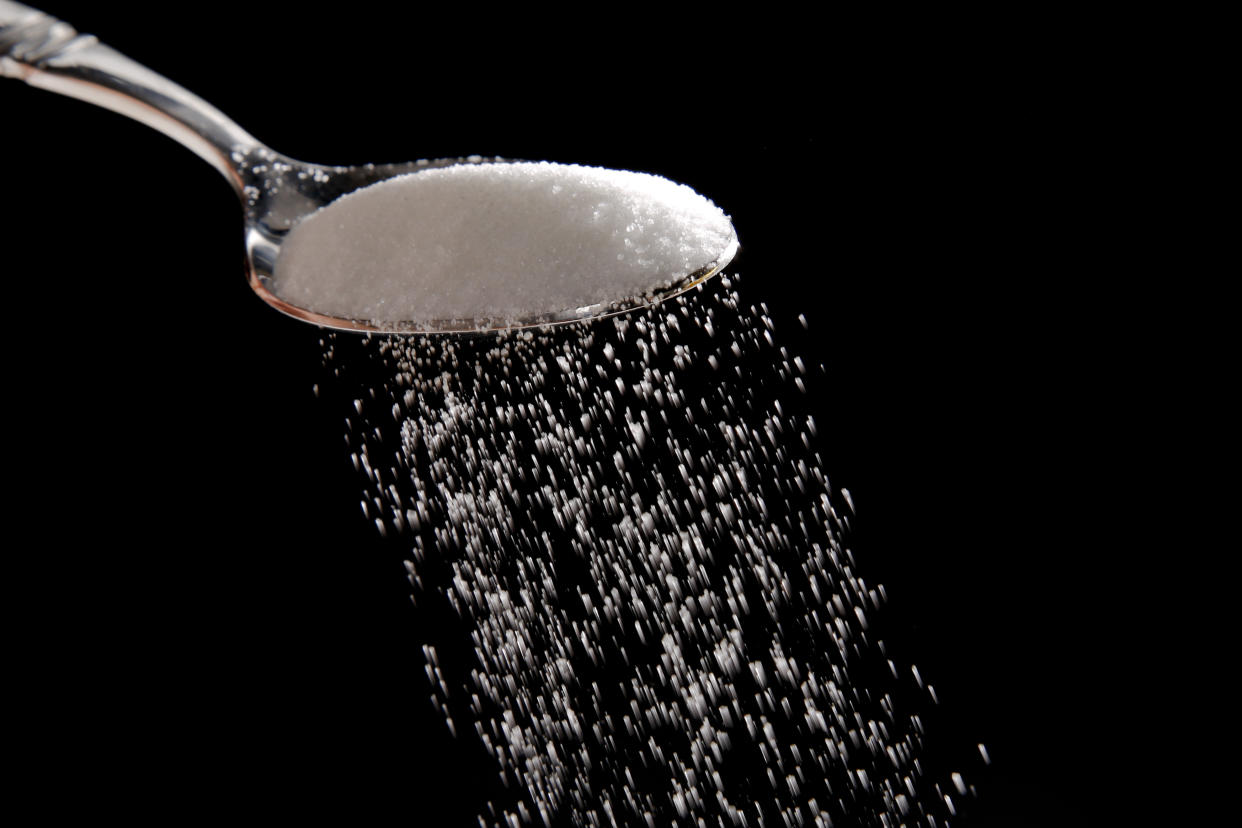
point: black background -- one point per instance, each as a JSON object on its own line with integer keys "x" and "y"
{"x": 203, "y": 621}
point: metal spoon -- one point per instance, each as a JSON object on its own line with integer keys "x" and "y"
{"x": 277, "y": 192}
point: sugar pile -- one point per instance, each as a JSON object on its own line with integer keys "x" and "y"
{"x": 501, "y": 242}
{"x": 656, "y": 619}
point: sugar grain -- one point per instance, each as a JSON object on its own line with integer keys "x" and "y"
{"x": 503, "y": 243}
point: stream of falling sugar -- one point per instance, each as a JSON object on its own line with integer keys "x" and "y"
{"x": 631, "y": 520}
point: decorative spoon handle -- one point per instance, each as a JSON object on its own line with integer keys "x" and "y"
{"x": 44, "y": 52}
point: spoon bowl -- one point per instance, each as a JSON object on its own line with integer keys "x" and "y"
{"x": 277, "y": 192}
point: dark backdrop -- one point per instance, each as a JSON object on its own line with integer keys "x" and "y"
{"x": 203, "y": 619}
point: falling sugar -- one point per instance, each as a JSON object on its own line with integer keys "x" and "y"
{"x": 651, "y": 575}
{"x": 490, "y": 244}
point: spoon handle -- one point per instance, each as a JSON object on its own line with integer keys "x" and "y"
{"x": 46, "y": 53}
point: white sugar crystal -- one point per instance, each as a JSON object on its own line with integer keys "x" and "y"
{"x": 709, "y": 626}
{"x": 498, "y": 241}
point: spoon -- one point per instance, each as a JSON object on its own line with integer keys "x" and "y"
{"x": 278, "y": 193}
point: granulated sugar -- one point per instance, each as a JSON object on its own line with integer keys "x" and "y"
{"x": 625, "y": 538}
{"x": 508, "y": 242}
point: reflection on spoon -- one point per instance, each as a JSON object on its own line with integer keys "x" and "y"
{"x": 450, "y": 245}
